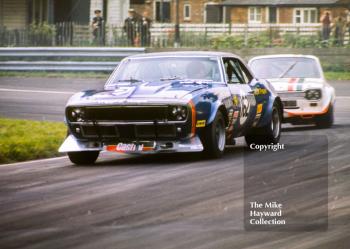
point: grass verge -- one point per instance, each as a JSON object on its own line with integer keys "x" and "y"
{"x": 337, "y": 75}
{"x": 330, "y": 75}
{"x": 22, "y": 140}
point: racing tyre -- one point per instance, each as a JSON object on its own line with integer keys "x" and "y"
{"x": 83, "y": 157}
{"x": 270, "y": 133}
{"x": 326, "y": 120}
{"x": 214, "y": 137}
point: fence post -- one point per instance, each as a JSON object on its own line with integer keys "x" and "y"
{"x": 246, "y": 35}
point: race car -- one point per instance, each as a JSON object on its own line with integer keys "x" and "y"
{"x": 172, "y": 102}
{"x": 299, "y": 81}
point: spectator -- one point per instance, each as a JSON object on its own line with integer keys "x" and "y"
{"x": 98, "y": 28}
{"x": 348, "y": 21}
{"x": 145, "y": 30}
{"x": 326, "y": 26}
{"x": 131, "y": 28}
{"x": 340, "y": 29}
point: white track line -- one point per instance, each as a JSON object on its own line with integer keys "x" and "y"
{"x": 34, "y": 91}
{"x": 342, "y": 97}
{"x": 34, "y": 161}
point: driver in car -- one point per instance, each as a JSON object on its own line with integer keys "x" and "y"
{"x": 197, "y": 70}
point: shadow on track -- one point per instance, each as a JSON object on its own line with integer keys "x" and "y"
{"x": 159, "y": 160}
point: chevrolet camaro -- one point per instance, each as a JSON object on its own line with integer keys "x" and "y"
{"x": 172, "y": 102}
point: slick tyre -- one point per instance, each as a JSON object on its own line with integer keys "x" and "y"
{"x": 214, "y": 137}
{"x": 83, "y": 157}
{"x": 269, "y": 133}
{"x": 326, "y": 120}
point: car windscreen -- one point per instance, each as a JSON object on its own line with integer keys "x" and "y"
{"x": 167, "y": 68}
{"x": 285, "y": 67}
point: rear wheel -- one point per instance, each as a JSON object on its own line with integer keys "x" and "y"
{"x": 269, "y": 133}
{"x": 83, "y": 157}
{"x": 214, "y": 137}
{"x": 326, "y": 120}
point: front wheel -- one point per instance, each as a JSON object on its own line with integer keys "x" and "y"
{"x": 326, "y": 120}
{"x": 214, "y": 137}
{"x": 270, "y": 133}
{"x": 83, "y": 157}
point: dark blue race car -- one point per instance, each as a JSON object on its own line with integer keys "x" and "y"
{"x": 173, "y": 102}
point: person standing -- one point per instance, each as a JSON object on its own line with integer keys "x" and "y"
{"x": 326, "y": 26}
{"x": 145, "y": 30}
{"x": 98, "y": 28}
{"x": 340, "y": 27}
{"x": 348, "y": 22}
{"x": 131, "y": 28}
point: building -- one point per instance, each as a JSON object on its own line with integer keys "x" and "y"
{"x": 282, "y": 11}
{"x": 17, "y": 14}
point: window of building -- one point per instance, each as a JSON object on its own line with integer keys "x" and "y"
{"x": 137, "y": 2}
{"x": 305, "y": 15}
{"x": 213, "y": 13}
{"x": 163, "y": 10}
{"x": 37, "y": 11}
{"x": 272, "y": 14}
{"x": 255, "y": 14}
{"x": 187, "y": 12}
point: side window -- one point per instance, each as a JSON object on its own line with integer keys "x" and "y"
{"x": 246, "y": 74}
{"x": 233, "y": 72}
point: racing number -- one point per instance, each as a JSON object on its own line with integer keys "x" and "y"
{"x": 245, "y": 109}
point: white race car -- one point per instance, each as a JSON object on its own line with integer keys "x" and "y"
{"x": 299, "y": 81}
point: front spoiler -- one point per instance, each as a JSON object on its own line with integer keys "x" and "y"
{"x": 194, "y": 144}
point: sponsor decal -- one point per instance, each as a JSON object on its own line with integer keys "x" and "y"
{"x": 128, "y": 147}
{"x": 260, "y": 91}
{"x": 235, "y": 100}
{"x": 200, "y": 123}
{"x": 259, "y": 108}
{"x": 235, "y": 114}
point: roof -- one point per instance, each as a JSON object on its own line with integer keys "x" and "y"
{"x": 285, "y": 2}
{"x": 184, "y": 53}
{"x": 284, "y": 56}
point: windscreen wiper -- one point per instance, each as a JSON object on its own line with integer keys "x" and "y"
{"x": 288, "y": 69}
{"x": 132, "y": 80}
{"x": 171, "y": 78}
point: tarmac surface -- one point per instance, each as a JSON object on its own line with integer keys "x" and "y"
{"x": 162, "y": 201}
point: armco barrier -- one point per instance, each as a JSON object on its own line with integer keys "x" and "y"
{"x": 63, "y": 59}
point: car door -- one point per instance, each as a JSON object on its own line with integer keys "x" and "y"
{"x": 238, "y": 78}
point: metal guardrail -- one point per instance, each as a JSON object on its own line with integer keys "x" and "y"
{"x": 66, "y": 66}
{"x": 9, "y": 58}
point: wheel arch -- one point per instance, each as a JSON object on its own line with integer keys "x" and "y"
{"x": 218, "y": 108}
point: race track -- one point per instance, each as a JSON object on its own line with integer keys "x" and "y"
{"x": 163, "y": 201}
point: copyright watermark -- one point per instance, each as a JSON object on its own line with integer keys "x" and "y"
{"x": 267, "y": 147}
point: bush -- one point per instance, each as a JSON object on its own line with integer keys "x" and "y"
{"x": 41, "y": 34}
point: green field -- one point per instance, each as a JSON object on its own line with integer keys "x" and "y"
{"x": 22, "y": 140}
{"x": 341, "y": 75}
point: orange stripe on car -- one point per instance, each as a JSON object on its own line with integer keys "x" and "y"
{"x": 306, "y": 114}
{"x": 193, "y": 112}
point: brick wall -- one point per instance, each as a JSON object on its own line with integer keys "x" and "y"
{"x": 239, "y": 15}
{"x": 285, "y": 14}
{"x": 197, "y": 9}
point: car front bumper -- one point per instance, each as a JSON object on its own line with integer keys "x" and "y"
{"x": 72, "y": 144}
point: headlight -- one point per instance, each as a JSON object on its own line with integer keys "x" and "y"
{"x": 75, "y": 114}
{"x": 313, "y": 94}
{"x": 178, "y": 113}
